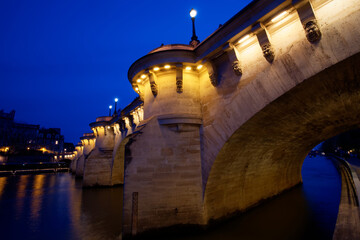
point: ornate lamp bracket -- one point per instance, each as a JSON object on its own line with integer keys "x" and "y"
{"x": 264, "y": 41}
{"x": 308, "y": 20}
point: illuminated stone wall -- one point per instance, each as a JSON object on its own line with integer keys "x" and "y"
{"x": 79, "y": 170}
{"x": 78, "y": 150}
{"x": 257, "y": 159}
{"x": 234, "y": 129}
{"x": 166, "y": 178}
{"x": 88, "y": 144}
{"x": 121, "y": 138}
{"x": 98, "y": 166}
{"x": 168, "y": 101}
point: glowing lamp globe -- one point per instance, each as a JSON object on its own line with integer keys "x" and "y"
{"x": 193, "y": 13}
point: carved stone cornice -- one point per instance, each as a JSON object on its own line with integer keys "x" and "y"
{"x": 212, "y": 71}
{"x": 308, "y": 20}
{"x": 153, "y": 86}
{"x": 161, "y": 57}
{"x": 179, "y": 78}
{"x": 235, "y": 63}
{"x": 264, "y": 41}
{"x": 268, "y": 52}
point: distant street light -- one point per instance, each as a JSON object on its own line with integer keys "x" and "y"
{"x": 116, "y": 100}
{"x": 110, "y": 107}
{"x": 194, "y": 39}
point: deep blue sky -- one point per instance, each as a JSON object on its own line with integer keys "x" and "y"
{"x": 62, "y": 62}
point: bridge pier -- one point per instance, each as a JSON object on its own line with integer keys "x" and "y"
{"x": 78, "y": 170}
{"x": 162, "y": 162}
{"x": 75, "y": 158}
{"x": 88, "y": 143}
{"x": 167, "y": 180}
{"x": 98, "y": 166}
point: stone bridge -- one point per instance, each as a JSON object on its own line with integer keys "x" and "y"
{"x": 227, "y": 123}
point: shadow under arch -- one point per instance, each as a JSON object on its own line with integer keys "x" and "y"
{"x": 118, "y": 168}
{"x": 264, "y": 156}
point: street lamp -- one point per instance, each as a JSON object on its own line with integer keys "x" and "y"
{"x": 194, "y": 39}
{"x": 116, "y": 100}
{"x": 110, "y": 107}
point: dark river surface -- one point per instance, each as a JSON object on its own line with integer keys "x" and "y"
{"x": 54, "y": 206}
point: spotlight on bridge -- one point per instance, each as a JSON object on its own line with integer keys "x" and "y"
{"x": 188, "y": 68}
{"x": 167, "y": 66}
{"x": 280, "y": 16}
{"x": 143, "y": 76}
{"x": 243, "y": 39}
{"x": 156, "y": 68}
{"x": 110, "y": 107}
{"x": 199, "y": 67}
{"x": 138, "y": 80}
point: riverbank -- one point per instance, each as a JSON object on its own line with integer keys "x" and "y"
{"x": 27, "y": 168}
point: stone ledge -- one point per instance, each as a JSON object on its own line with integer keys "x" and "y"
{"x": 170, "y": 119}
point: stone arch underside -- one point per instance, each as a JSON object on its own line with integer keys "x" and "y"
{"x": 117, "y": 170}
{"x": 263, "y": 157}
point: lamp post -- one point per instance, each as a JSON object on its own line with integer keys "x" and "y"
{"x": 116, "y": 100}
{"x": 110, "y": 107}
{"x": 194, "y": 39}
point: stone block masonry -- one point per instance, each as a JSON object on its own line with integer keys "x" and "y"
{"x": 167, "y": 181}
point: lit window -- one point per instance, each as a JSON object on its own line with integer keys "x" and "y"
{"x": 56, "y": 142}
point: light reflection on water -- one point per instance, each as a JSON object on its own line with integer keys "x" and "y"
{"x": 54, "y": 206}
{"x": 2, "y": 185}
{"x": 20, "y": 195}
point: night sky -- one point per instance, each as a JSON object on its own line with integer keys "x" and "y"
{"x": 62, "y": 62}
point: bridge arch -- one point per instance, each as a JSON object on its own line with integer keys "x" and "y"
{"x": 263, "y": 157}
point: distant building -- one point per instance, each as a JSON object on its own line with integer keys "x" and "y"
{"x": 69, "y": 147}
{"x": 14, "y": 135}
{"x": 17, "y": 137}
{"x": 51, "y": 139}
{"x": 67, "y": 154}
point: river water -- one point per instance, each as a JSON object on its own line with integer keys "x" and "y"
{"x": 54, "y": 206}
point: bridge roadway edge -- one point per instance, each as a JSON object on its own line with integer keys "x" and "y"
{"x": 348, "y": 219}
